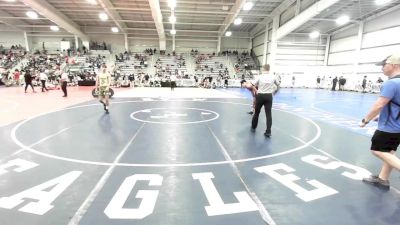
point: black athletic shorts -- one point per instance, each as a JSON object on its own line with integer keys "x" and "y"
{"x": 384, "y": 141}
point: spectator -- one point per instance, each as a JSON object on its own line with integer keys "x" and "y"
{"x": 364, "y": 84}
{"x": 334, "y": 82}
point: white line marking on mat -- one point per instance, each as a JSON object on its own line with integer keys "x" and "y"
{"x": 100, "y": 184}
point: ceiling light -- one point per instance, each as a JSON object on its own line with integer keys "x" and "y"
{"x": 342, "y": 20}
{"x": 228, "y": 33}
{"x": 173, "y": 32}
{"x": 225, "y": 7}
{"x": 103, "y": 16}
{"x": 172, "y": 4}
{"x": 172, "y": 19}
{"x": 314, "y": 34}
{"x": 9, "y": 0}
{"x": 248, "y": 6}
{"x": 92, "y": 2}
{"x": 381, "y": 2}
{"x": 32, "y": 14}
{"x": 237, "y": 21}
{"x": 54, "y": 28}
{"x": 114, "y": 29}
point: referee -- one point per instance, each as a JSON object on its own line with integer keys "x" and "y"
{"x": 266, "y": 84}
{"x": 64, "y": 81}
{"x": 172, "y": 79}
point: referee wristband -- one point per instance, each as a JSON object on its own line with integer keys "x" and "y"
{"x": 364, "y": 121}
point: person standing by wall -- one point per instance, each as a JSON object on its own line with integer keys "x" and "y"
{"x": 379, "y": 83}
{"x": 318, "y": 82}
{"x": 293, "y": 81}
{"x": 364, "y": 85}
{"x": 266, "y": 85}
{"x": 334, "y": 82}
{"x": 386, "y": 138}
{"x": 342, "y": 82}
{"x": 103, "y": 82}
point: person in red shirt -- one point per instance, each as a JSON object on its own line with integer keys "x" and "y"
{"x": 16, "y": 76}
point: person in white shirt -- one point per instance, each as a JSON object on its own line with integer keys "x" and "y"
{"x": 43, "y": 78}
{"x": 172, "y": 78}
{"x": 103, "y": 82}
{"x": 266, "y": 85}
{"x": 64, "y": 80}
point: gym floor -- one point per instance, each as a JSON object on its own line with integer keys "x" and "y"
{"x": 188, "y": 157}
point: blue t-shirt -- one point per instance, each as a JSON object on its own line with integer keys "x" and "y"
{"x": 389, "y": 123}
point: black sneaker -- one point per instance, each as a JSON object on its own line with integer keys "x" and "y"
{"x": 376, "y": 181}
{"x": 268, "y": 135}
{"x": 251, "y": 113}
{"x": 253, "y": 130}
{"x": 107, "y": 112}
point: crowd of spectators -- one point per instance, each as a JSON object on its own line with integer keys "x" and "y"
{"x": 150, "y": 51}
{"x": 83, "y": 67}
{"x": 171, "y": 65}
{"x": 40, "y": 67}
{"x": 94, "y": 45}
{"x": 234, "y": 52}
{"x": 9, "y": 58}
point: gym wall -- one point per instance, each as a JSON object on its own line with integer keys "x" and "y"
{"x": 9, "y": 38}
{"x": 380, "y": 38}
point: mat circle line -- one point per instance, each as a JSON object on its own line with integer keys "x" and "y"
{"x": 27, "y": 148}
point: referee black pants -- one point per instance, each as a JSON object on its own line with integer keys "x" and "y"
{"x": 266, "y": 101}
{"x": 173, "y": 85}
{"x": 27, "y": 84}
{"x": 64, "y": 88}
{"x": 43, "y": 85}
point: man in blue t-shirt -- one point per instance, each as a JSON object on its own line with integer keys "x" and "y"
{"x": 386, "y": 138}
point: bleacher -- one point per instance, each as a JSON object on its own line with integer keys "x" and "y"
{"x": 170, "y": 64}
{"x": 82, "y": 69}
{"x": 187, "y": 68}
{"x": 11, "y": 58}
{"x": 133, "y": 64}
{"x": 81, "y": 64}
{"x": 210, "y": 65}
{"x": 243, "y": 63}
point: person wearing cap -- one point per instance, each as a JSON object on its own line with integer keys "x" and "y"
{"x": 103, "y": 82}
{"x": 386, "y": 138}
{"x": 266, "y": 85}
